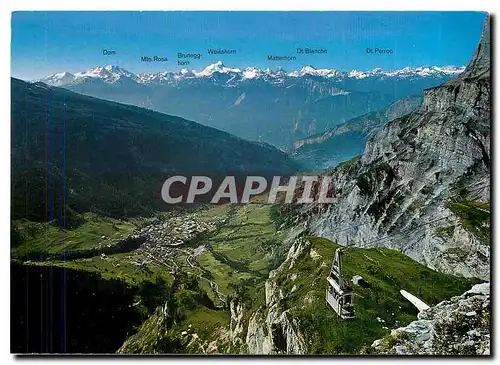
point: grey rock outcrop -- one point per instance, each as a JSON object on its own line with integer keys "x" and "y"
{"x": 459, "y": 326}
{"x": 271, "y": 330}
{"x": 397, "y": 194}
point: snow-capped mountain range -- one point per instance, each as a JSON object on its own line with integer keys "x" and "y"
{"x": 271, "y": 105}
{"x": 114, "y": 74}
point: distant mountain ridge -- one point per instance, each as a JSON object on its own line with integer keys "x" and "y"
{"x": 113, "y": 74}
{"x": 73, "y": 153}
{"x": 343, "y": 142}
{"x": 273, "y": 106}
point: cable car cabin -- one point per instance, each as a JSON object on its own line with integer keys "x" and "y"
{"x": 339, "y": 295}
{"x": 340, "y": 300}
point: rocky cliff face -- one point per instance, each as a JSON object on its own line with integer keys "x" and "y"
{"x": 271, "y": 329}
{"x": 459, "y": 326}
{"x": 295, "y": 318}
{"x": 423, "y": 179}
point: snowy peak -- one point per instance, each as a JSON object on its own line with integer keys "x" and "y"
{"x": 108, "y": 73}
{"x": 310, "y": 70}
{"x": 251, "y": 73}
{"x": 59, "y": 79}
{"x": 216, "y": 67}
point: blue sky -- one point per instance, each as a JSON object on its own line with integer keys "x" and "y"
{"x": 48, "y": 42}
